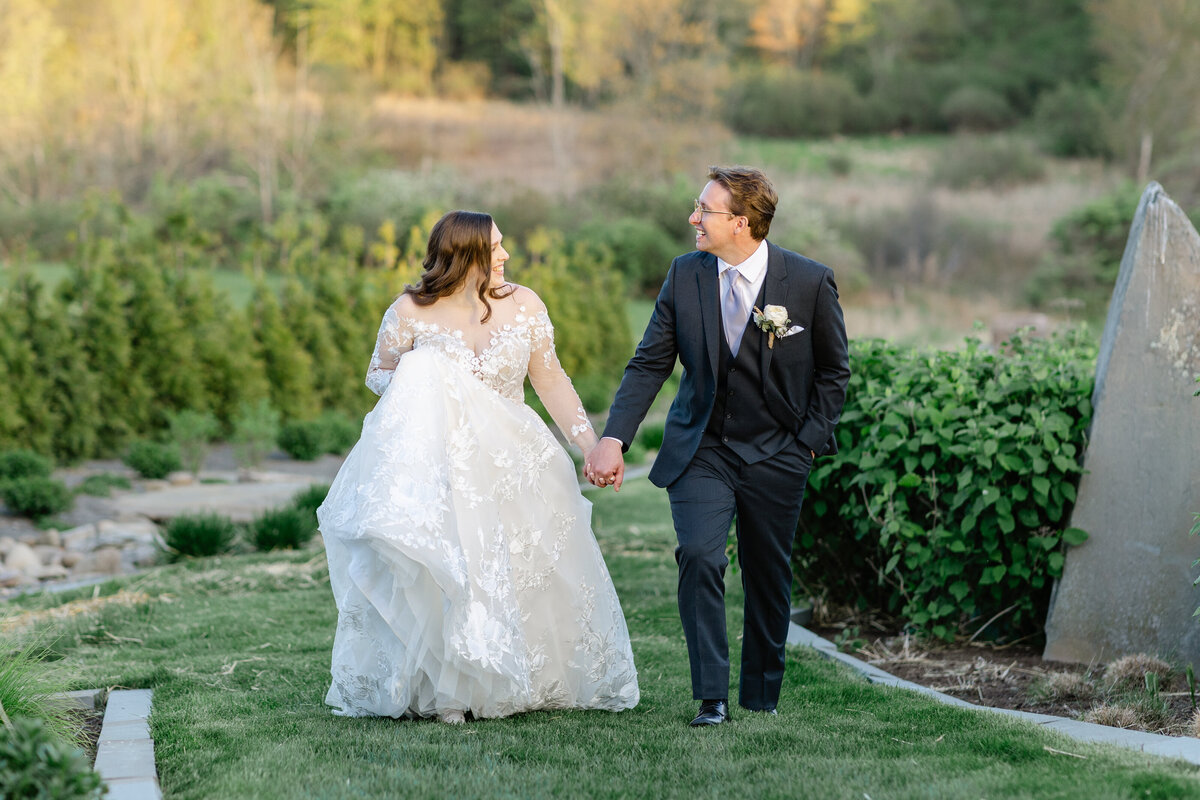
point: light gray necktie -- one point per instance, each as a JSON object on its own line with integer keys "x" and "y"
{"x": 734, "y": 309}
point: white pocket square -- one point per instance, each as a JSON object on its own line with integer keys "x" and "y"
{"x": 793, "y": 329}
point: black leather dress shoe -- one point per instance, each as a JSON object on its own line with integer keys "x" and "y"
{"x": 712, "y": 712}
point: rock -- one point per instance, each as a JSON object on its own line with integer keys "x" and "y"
{"x": 52, "y": 572}
{"x": 181, "y": 479}
{"x": 1128, "y": 588}
{"x": 70, "y": 558}
{"x": 82, "y": 537}
{"x": 155, "y": 484}
{"x": 6, "y": 544}
{"x": 48, "y": 555}
{"x": 111, "y": 532}
{"x": 11, "y": 578}
{"x": 107, "y": 560}
{"x": 21, "y": 558}
{"x": 51, "y": 538}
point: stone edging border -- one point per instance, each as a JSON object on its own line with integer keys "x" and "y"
{"x": 125, "y": 751}
{"x": 1183, "y": 747}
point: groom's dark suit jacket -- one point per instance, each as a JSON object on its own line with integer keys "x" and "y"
{"x": 805, "y": 374}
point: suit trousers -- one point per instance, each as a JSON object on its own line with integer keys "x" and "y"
{"x": 717, "y": 488}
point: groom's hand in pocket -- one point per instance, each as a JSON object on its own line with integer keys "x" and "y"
{"x": 605, "y": 465}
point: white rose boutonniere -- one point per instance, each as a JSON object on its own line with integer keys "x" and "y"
{"x": 773, "y": 321}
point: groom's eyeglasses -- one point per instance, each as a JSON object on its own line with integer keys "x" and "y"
{"x": 697, "y": 207}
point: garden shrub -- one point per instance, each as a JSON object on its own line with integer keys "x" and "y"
{"x": 1087, "y": 246}
{"x": 102, "y": 485}
{"x": 36, "y": 765}
{"x": 287, "y": 528}
{"x": 153, "y": 459}
{"x": 199, "y": 535}
{"x": 640, "y": 249}
{"x": 650, "y": 435}
{"x": 977, "y": 108}
{"x": 786, "y": 102}
{"x": 24, "y": 464}
{"x": 254, "y": 431}
{"x": 192, "y": 431}
{"x": 303, "y": 440}
{"x": 988, "y": 161}
{"x": 310, "y": 499}
{"x": 1071, "y": 120}
{"x": 36, "y": 497}
{"x": 949, "y": 499}
{"x": 338, "y": 432}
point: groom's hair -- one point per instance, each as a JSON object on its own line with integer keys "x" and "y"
{"x": 753, "y": 196}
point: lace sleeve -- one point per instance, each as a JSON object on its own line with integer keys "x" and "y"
{"x": 395, "y": 339}
{"x": 554, "y": 388}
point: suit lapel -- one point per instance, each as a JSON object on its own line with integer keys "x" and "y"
{"x": 710, "y": 308}
{"x": 774, "y": 293}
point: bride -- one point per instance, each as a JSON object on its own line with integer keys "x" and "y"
{"x": 460, "y": 550}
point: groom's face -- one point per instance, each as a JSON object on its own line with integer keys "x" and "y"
{"x": 714, "y": 231}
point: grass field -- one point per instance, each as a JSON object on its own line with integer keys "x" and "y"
{"x": 237, "y": 652}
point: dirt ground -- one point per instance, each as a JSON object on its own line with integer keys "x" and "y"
{"x": 1017, "y": 677}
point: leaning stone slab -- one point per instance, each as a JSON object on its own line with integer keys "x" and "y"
{"x": 1129, "y": 588}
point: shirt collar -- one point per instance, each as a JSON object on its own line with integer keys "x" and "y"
{"x": 754, "y": 265}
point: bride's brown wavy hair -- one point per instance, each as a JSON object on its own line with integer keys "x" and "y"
{"x": 460, "y": 246}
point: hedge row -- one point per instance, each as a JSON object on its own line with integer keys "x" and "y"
{"x": 138, "y": 333}
{"x": 948, "y": 502}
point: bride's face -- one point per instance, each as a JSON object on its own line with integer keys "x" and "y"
{"x": 499, "y": 256}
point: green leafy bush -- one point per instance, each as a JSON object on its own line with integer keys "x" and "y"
{"x": 199, "y": 535}
{"x": 192, "y": 431}
{"x": 948, "y": 501}
{"x": 791, "y": 103}
{"x": 24, "y": 464}
{"x": 310, "y": 499}
{"x": 650, "y": 435}
{"x": 1072, "y": 120}
{"x": 302, "y": 440}
{"x": 988, "y": 161}
{"x": 640, "y": 249}
{"x": 102, "y": 485}
{"x": 254, "y": 431}
{"x": 36, "y": 764}
{"x": 153, "y": 459}
{"x": 1085, "y": 254}
{"x": 36, "y": 497}
{"x": 286, "y": 528}
{"x": 977, "y": 108}
{"x": 338, "y": 432}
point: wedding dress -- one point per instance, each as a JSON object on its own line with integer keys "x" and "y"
{"x": 460, "y": 549}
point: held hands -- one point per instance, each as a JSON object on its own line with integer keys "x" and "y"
{"x": 604, "y": 465}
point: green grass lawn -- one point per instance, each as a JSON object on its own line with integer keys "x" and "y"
{"x": 237, "y": 652}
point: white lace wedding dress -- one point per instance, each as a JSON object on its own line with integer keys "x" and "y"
{"x": 460, "y": 549}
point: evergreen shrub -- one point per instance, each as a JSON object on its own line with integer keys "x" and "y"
{"x": 948, "y": 501}
{"x": 988, "y": 161}
{"x": 977, "y": 108}
{"x": 303, "y": 440}
{"x": 153, "y": 459}
{"x": 192, "y": 431}
{"x": 36, "y": 765}
{"x": 1084, "y": 258}
{"x": 786, "y": 102}
{"x": 36, "y": 497}
{"x": 102, "y": 485}
{"x": 1072, "y": 120}
{"x": 338, "y": 432}
{"x": 254, "y": 431}
{"x": 310, "y": 499}
{"x": 24, "y": 464}
{"x": 199, "y": 535}
{"x": 287, "y": 528}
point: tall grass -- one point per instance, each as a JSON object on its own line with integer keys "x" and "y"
{"x": 27, "y": 682}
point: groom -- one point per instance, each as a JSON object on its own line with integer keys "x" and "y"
{"x": 757, "y": 403}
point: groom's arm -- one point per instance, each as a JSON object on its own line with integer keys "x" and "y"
{"x": 831, "y": 371}
{"x": 651, "y": 365}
